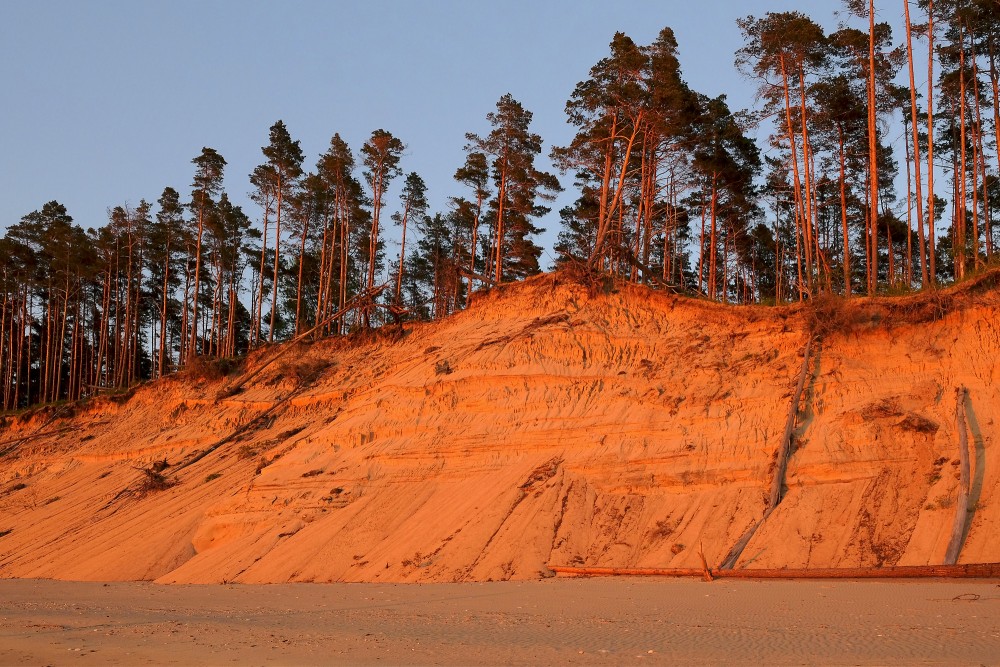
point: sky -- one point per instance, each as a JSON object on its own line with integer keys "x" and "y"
{"x": 106, "y": 102}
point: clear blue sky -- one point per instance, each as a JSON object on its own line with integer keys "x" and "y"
{"x": 106, "y": 102}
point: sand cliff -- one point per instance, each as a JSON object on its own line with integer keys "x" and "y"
{"x": 549, "y": 424}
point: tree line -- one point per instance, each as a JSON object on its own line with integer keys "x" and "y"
{"x": 673, "y": 191}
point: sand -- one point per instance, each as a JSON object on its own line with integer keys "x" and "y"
{"x": 358, "y": 501}
{"x": 547, "y": 425}
{"x": 555, "y": 621}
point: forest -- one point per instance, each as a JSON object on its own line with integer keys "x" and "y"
{"x": 674, "y": 191}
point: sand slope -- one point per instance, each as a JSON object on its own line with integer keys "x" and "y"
{"x": 549, "y": 424}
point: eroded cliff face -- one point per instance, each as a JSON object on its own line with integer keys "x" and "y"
{"x": 547, "y": 425}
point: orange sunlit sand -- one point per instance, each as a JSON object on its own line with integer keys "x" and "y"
{"x": 551, "y": 424}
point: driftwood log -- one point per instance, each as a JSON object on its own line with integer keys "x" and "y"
{"x": 780, "y": 467}
{"x": 962, "y": 504}
{"x": 964, "y": 571}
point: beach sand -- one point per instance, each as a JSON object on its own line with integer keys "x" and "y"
{"x": 609, "y": 621}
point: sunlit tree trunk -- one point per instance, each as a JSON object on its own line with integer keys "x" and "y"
{"x": 796, "y": 181}
{"x": 810, "y": 232}
{"x": 193, "y": 349}
{"x": 277, "y": 260}
{"x": 932, "y": 250}
{"x": 916, "y": 148}
{"x": 873, "y": 154}
{"x": 298, "y": 289}
{"x": 255, "y": 333}
{"x": 909, "y": 210}
{"x": 712, "y": 244}
{"x": 843, "y": 212}
{"x": 962, "y": 173}
{"x": 979, "y": 169}
{"x": 995, "y": 86}
{"x": 162, "y": 352}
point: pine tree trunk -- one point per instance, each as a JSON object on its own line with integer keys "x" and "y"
{"x": 231, "y": 328}
{"x": 702, "y": 288}
{"x": 872, "y": 153}
{"x": 609, "y": 156}
{"x": 909, "y": 211}
{"x": 5, "y": 347}
{"x": 616, "y": 204}
{"x": 475, "y": 241}
{"x": 162, "y": 353}
{"x": 72, "y": 389}
{"x": 101, "y": 377}
{"x": 298, "y": 289}
{"x": 812, "y": 263}
{"x": 345, "y": 241}
{"x": 259, "y": 305}
{"x": 916, "y": 147}
{"x": 712, "y": 244}
{"x": 843, "y": 212}
{"x": 979, "y": 163}
{"x": 932, "y": 250}
{"x": 27, "y": 366}
{"x": 215, "y": 333}
{"x": 402, "y": 253}
{"x": 185, "y": 311}
{"x": 277, "y": 262}
{"x": 193, "y": 352}
{"x": 324, "y": 272}
{"x": 995, "y": 85}
{"x": 60, "y": 344}
{"x": 962, "y": 174}
{"x": 797, "y": 190}
{"x": 498, "y": 247}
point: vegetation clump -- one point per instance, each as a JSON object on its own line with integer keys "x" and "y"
{"x": 154, "y": 479}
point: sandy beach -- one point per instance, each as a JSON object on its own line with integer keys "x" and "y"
{"x": 556, "y": 621}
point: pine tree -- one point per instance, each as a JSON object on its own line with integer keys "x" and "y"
{"x": 475, "y": 174}
{"x": 414, "y": 202}
{"x": 381, "y": 155}
{"x": 727, "y": 161}
{"x": 209, "y": 167}
{"x": 519, "y": 187}
{"x": 786, "y": 46}
{"x": 284, "y": 166}
{"x": 165, "y": 241}
{"x": 608, "y": 108}
{"x": 263, "y": 178}
{"x": 343, "y": 216}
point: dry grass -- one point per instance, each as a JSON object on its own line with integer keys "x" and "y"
{"x": 829, "y": 314}
{"x": 154, "y": 480}
{"x": 246, "y": 452}
{"x": 302, "y": 370}
{"x": 211, "y": 369}
{"x": 578, "y": 272}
